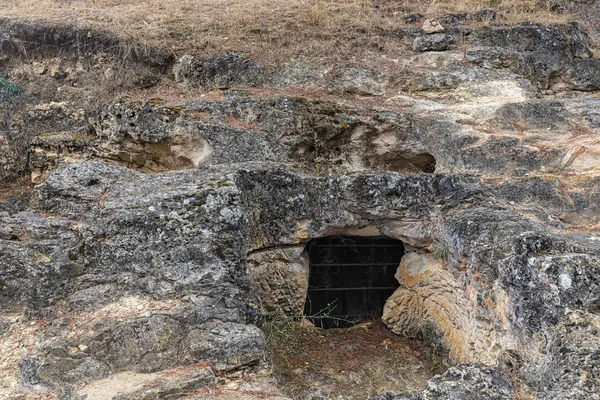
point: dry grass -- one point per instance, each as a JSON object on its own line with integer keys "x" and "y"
{"x": 270, "y": 29}
{"x": 17, "y": 190}
{"x": 358, "y": 362}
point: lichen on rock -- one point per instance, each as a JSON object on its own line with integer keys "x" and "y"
{"x": 161, "y": 233}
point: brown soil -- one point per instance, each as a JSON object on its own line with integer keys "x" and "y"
{"x": 358, "y": 362}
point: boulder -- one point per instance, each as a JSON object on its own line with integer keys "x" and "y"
{"x": 220, "y": 72}
{"x": 433, "y": 42}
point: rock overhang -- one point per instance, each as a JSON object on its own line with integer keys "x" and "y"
{"x": 276, "y": 207}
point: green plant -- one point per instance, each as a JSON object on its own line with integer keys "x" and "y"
{"x": 440, "y": 249}
{"x": 9, "y": 90}
{"x": 435, "y": 363}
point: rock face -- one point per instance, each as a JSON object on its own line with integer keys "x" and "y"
{"x": 220, "y": 72}
{"x": 430, "y": 304}
{"x": 157, "y": 235}
{"x": 280, "y": 279}
{"x": 465, "y": 381}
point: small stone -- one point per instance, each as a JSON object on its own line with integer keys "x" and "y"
{"x": 434, "y": 42}
{"x": 109, "y": 74}
{"x": 83, "y": 347}
{"x": 431, "y": 26}
{"x": 232, "y": 385}
{"x": 39, "y": 68}
{"x": 57, "y": 71}
{"x": 307, "y": 324}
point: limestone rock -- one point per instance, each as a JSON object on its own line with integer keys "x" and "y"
{"x": 432, "y": 26}
{"x": 435, "y": 42}
{"x": 463, "y": 382}
{"x": 539, "y": 53}
{"x": 468, "y": 382}
{"x": 360, "y": 81}
{"x": 280, "y": 279}
{"x": 429, "y": 304}
{"x": 220, "y": 72}
{"x": 585, "y": 75}
{"x": 135, "y": 386}
{"x": 157, "y": 235}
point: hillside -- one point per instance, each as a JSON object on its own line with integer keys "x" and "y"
{"x": 192, "y": 191}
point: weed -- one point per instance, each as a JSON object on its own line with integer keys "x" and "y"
{"x": 9, "y": 90}
{"x": 440, "y": 249}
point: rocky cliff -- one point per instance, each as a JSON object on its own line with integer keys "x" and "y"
{"x": 159, "y": 226}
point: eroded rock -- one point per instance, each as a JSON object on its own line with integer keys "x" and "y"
{"x": 220, "y": 72}
{"x": 158, "y": 234}
{"x": 280, "y": 279}
{"x": 433, "y": 42}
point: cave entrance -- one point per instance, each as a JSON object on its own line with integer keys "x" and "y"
{"x": 350, "y": 278}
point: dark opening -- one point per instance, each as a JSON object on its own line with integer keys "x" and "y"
{"x": 351, "y": 277}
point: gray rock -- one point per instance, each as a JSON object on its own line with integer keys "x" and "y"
{"x": 468, "y": 382}
{"x": 360, "y": 81}
{"x": 433, "y": 42}
{"x": 533, "y": 115}
{"x": 169, "y": 388}
{"x": 168, "y": 384}
{"x": 154, "y": 234}
{"x": 541, "y": 54}
{"x": 585, "y": 75}
{"x": 214, "y": 217}
{"x": 220, "y": 72}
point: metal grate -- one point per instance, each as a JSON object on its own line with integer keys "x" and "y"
{"x": 351, "y": 277}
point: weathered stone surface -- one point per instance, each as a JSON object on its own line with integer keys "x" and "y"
{"x": 280, "y": 279}
{"x": 169, "y": 384}
{"x": 431, "y": 26}
{"x": 102, "y": 263}
{"x": 360, "y": 81}
{"x": 222, "y": 71}
{"x": 429, "y": 305}
{"x": 48, "y": 151}
{"x": 435, "y": 42}
{"x": 160, "y": 232}
{"x": 585, "y": 75}
{"x": 541, "y": 54}
{"x": 492, "y": 256}
{"x": 469, "y": 382}
{"x": 550, "y": 115}
{"x": 463, "y": 382}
